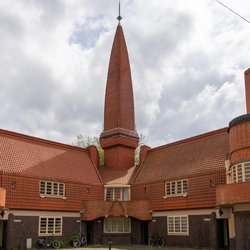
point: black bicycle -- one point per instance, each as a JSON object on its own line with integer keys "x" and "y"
{"x": 44, "y": 243}
{"x": 156, "y": 240}
{"x": 81, "y": 241}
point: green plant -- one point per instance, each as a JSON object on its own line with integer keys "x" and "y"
{"x": 74, "y": 237}
{"x": 62, "y": 243}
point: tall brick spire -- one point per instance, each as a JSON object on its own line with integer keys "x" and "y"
{"x": 119, "y": 121}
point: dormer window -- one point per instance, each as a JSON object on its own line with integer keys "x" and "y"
{"x": 52, "y": 189}
{"x": 117, "y": 193}
{"x": 176, "y": 188}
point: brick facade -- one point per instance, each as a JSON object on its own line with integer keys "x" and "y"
{"x": 203, "y": 161}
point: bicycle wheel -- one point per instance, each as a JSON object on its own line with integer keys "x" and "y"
{"x": 76, "y": 243}
{"x": 160, "y": 242}
{"x": 84, "y": 242}
{"x": 151, "y": 242}
{"x": 55, "y": 244}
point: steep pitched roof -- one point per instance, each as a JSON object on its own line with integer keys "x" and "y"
{"x": 26, "y": 155}
{"x": 196, "y": 155}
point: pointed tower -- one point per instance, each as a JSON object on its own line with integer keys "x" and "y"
{"x": 119, "y": 137}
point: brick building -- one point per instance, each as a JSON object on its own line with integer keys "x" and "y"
{"x": 194, "y": 192}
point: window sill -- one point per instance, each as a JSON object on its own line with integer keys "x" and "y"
{"x": 175, "y": 195}
{"x": 51, "y": 196}
{"x": 178, "y": 234}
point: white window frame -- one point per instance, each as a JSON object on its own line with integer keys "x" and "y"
{"x": 174, "y": 228}
{"x": 176, "y": 188}
{"x": 240, "y": 172}
{"x": 111, "y": 225}
{"x": 52, "y": 189}
{"x": 120, "y": 193}
{"x": 50, "y": 226}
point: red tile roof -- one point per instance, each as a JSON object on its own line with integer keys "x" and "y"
{"x": 26, "y": 155}
{"x": 139, "y": 209}
{"x": 196, "y": 155}
{"x": 116, "y": 176}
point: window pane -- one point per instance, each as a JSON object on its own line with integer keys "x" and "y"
{"x": 172, "y": 187}
{"x": 109, "y": 194}
{"x": 177, "y": 225}
{"x": 120, "y": 225}
{"x": 234, "y": 174}
{"x": 170, "y": 224}
{"x": 49, "y": 188}
{"x": 168, "y": 192}
{"x": 43, "y": 223}
{"x": 125, "y": 194}
{"x": 55, "y": 188}
{"x": 61, "y": 189}
{"x": 117, "y": 225}
{"x": 185, "y": 186}
{"x": 179, "y": 189}
{"x": 117, "y": 194}
{"x": 247, "y": 171}
{"x": 42, "y": 187}
{"x": 184, "y": 224}
{"x": 114, "y": 225}
{"x": 239, "y": 173}
{"x": 58, "y": 223}
{"x": 50, "y": 225}
{"x": 126, "y": 224}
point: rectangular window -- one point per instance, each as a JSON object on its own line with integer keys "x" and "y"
{"x": 178, "y": 225}
{"x": 117, "y": 194}
{"x": 50, "y": 226}
{"x": 175, "y": 188}
{"x": 52, "y": 189}
{"x": 117, "y": 225}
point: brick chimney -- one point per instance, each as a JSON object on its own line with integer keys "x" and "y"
{"x": 247, "y": 89}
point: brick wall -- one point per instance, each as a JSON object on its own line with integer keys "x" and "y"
{"x": 22, "y": 192}
{"x": 201, "y": 192}
{"x": 202, "y": 232}
{"x": 19, "y": 228}
{"x": 242, "y": 230}
{"x": 119, "y": 157}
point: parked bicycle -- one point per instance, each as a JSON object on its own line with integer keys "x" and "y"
{"x": 81, "y": 241}
{"x": 156, "y": 240}
{"x": 44, "y": 243}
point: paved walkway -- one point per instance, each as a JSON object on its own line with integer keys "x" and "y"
{"x": 134, "y": 247}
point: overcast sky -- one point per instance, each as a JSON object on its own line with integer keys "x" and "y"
{"x": 187, "y": 59}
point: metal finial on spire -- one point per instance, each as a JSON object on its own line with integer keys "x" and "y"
{"x": 119, "y": 18}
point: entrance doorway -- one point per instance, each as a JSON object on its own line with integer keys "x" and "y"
{"x": 90, "y": 232}
{"x": 144, "y": 232}
{"x": 222, "y": 234}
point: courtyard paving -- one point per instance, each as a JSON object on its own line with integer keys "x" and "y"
{"x": 135, "y": 247}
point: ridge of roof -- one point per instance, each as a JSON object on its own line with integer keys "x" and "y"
{"x": 34, "y": 139}
{"x": 190, "y": 139}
